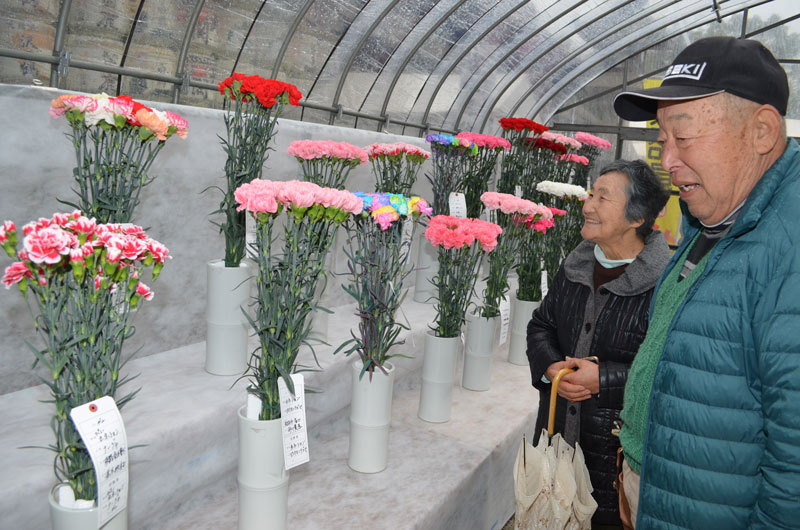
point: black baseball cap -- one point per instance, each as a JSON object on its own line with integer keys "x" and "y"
{"x": 710, "y": 66}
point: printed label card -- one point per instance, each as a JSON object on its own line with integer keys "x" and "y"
{"x": 293, "y": 422}
{"x": 458, "y": 204}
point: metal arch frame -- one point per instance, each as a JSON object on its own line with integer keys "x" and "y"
{"x": 510, "y": 52}
{"x": 58, "y": 42}
{"x": 730, "y": 11}
{"x": 744, "y": 34}
{"x": 289, "y": 36}
{"x": 555, "y": 42}
{"x": 128, "y": 41}
{"x": 461, "y": 56}
{"x": 399, "y": 44}
{"x": 351, "y": 59}
{"x": 247, "y": 36}
{"x": 523, "y": 69}
{"x": 414, "y": 51}
{"x": 187, "y": 39}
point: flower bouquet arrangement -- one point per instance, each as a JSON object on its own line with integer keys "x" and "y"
{"x": 449, "y": 167}
{"x": 534, "y": 252}
{"x": 81, "y": 279}
{"x": 327, "y": 163}
{"x": 590, "y": 148}
{"x": 567, "y": 232}
{"x": 516, "y": 168}
{"x": 250, "y": 120}
{"x": 377, "y": 257}
{"x": 395, "y": 166}
{"x": 480, "y": 168}
{"x": 461, "y": 241}
{"x": 515, "y": 216}
{"x": 286, "y": 279}
{"x": 116, "y": 140}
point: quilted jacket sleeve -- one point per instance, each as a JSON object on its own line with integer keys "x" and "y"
{"x": 613, "y": 376}
{"x": 543, "y": 344}
{"x": 777, "y": 343}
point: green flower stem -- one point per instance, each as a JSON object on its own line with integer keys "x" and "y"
{"x": 449, "y": 169}
{"x": 479, "y": 170}
{"x": 395, "y": 174}
{"x": 249, "y": 128}
{"x": 456, "y": 282}
{"x": 502, "y": 260}
{"x": 378, "y": 266}
{"x": 327, "y": 172}
{"x": 285, "y": 283}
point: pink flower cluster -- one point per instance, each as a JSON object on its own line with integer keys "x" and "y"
{"x": 313, "y": 149}
{"x": 397, "y": 148}
{"x": 510, "y": 204}
{"x": 485, "y": 140}
{"x": 594, "y": 141}
{"x": 577, "y": 159}
{"x": 77, "y": 244}
{"x": 460, "y": 232}
{"x": 572, "y": 143}
{"x": 119, "y": 112}
{"x": 265, "y": 196}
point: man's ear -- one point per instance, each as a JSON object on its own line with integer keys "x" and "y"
{"x": 768, "y": 133}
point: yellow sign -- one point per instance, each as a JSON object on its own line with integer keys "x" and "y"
{"x": 670, "y": 222}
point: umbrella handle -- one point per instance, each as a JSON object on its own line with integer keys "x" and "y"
{"x": 551, "y": 420}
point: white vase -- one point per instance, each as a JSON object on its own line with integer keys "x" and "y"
{"x": 263, "y": 479}
{"x": 370, "y": 419}
{"x": 427, "y": 267}
{"x": 63, "y": 518}
{"x": 226, "y": 326}
{"x": 521, "y": 313}
{"x": 478, "y": 349}
{"x": 438, "y": 376}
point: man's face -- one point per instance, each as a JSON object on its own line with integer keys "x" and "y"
{"x": 705, "y": 149}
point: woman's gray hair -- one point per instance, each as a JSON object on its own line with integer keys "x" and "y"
{"x": 645, "y": 193}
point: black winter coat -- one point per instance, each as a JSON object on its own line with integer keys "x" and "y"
{"x": 614, "y": 321}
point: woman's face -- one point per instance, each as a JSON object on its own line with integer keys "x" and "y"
{"x": 604, "y": 210}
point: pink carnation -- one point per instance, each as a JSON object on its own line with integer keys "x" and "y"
{"x": 144, "y": 291}
{"x": 561, "y": 139}
{"x": 82, "y": 225}
{"x": 15, "y": 272}
{"x": 594, "y": 141}
{"x": 7, "y": 228}
{"x": 576, "y": 159}
{"x": 485, "y": 140}
{"x": 457, "y": 232}
{"x": 257, "y": 196}
{"x": 158, "y": 250}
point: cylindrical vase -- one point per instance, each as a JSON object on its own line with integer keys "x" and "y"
{"x": 521, "y": 314}
{"x": 226, "y": 325}
{"x": 478, "y": 349}
{"x": 438, "y": 376}
{"x": 263, "y": 479}
{"x": 370, "y": 419}
{"x": 427, "y": 267}
{"x": 63, "y": 518}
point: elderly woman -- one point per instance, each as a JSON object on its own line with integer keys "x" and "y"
{"x": 598, "y": 306}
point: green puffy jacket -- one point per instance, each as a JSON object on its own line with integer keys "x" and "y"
{"x": 722, "y": 449}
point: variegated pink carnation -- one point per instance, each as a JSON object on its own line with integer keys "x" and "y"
{"x": 571, "y": 143}
{"x": 180, "y": 124}
{"x": 47, "y": 245}
{"x": 15, "y": 272}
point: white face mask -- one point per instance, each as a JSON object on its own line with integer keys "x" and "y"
{"x": 600, "y": 256}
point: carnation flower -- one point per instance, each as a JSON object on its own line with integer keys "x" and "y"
{"x": 561, "y": 189}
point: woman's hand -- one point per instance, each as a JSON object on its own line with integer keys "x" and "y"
{"x": 569, "y": 390}
{"x": 587, "y": 375}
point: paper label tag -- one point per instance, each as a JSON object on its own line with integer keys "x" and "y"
{"x": 458, "y": 204}
{"x": 100, "y": 425}
{"x": 293, "y": 422}
{"x": 518, "y": 190}
{"x": 544, "y": 284}
{"x": 505, "y": 319}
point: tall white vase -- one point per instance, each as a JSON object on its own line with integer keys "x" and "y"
{"x": 263, "y": 479}
{"x": 521, "y": 313}
{"x": 226, "y": 326}
{"x": 63, "y": 518}
{"x": 438, "y": 376}
{"x": 477, "y": 373}
{"x": 427, "y": 267}
{"x": 370, "y": 419}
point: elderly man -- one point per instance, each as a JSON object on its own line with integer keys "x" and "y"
{"x": 711, "y": 417}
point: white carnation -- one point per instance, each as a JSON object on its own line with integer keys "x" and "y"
{"x": 561, "y": 190}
